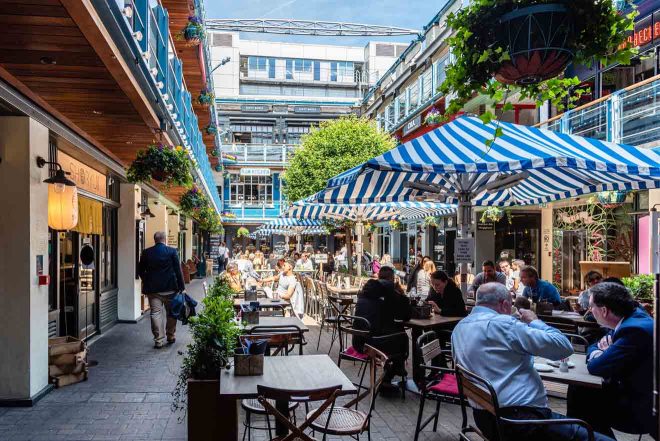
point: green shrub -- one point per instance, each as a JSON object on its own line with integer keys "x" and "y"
{"x": 641, "y": 287}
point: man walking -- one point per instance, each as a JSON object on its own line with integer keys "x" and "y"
{"x": 160, "y": 271}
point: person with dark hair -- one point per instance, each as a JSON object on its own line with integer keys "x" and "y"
{"x": 382, "y": 302}
{"x": 487, "y": 274}
{"x": 536, "y": 289}
{"x": 445, "y": 297}
{"x": 613, "y": 280}
{"x": 624, "y": 358}
{"x": 590, "y": 279}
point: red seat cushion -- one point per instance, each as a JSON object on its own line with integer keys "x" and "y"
{"x": 447, "y": 385}
{"x": 352, "y": 352}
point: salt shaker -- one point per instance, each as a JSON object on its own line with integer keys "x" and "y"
{"x": 563, "y": 365}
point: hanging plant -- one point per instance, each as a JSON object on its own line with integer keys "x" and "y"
{"x": 433, "y": 117}
{"x": 206, "y": 97}
{"x": 492, "y": 214}
{"x": 215, "y": 153}
{"x": 209, "y": 220}
{"x": 166, "y": 164}
{"x": 192, "y": 201}
{"x": 527, "y": 44}
{"x": 228, "y": 215}
{"x": 370, "y": 228}
{"x": 612, "y": 199}
{"x": 194, "y": 31}
{"x": 218, "y": 167}
{"x": 431, "y": 221}
{"x": 211, "y": 129}
{"x": 395, "y": 225}
{"x": 242, "y": 232}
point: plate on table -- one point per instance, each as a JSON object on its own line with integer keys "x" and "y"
{"x": 542, "y": 367}
{"x": 556, "y": 364}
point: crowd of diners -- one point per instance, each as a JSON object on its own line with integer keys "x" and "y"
{"x": 499, "y": 336}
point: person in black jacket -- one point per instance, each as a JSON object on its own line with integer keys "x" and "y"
{"x": 381, "y": 302}
{"x": 160, "y": 271}
{"x": 445, "y": 297}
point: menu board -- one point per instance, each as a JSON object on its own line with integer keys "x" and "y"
{"x": 214, "y": 241}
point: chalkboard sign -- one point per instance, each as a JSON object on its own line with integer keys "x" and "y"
{"x": 214, "y": 253}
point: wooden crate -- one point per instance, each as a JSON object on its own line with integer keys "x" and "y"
{"x": 67, "y": 379}
{"x": 67, "y": 361}
{"x": 64, "y": 345}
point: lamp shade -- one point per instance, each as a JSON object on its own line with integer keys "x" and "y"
{"x": 62, "y": 206}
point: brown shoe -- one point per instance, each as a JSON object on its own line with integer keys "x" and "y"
{"x": 171, "y": 341}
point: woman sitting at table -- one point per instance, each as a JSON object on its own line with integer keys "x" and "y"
{"x": 445, "y": 296}
{"x": 424, "y": 279}
{"x": 233, "y": 277}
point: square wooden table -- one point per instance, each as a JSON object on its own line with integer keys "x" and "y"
{"x": 577, "y": 376}
{"x": 279, "y": 321}
{"x": 344, "y": 292}
{"x": 264, "y": 303}
{"x": 300, "y": 372}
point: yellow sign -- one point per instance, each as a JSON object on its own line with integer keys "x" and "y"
{"x": 84, "y": 176}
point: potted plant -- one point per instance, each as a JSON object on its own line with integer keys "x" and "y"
{"x": 166, "y": 164}
{"x": 218, "y": 167}
{"x": 641, "y": 288}
{"x": 612, "y": 199}
{"x": 209, "y": 220}
{"x": 194, "y": 32}
{"x": 242, "y": 233}
{"x": 206, "y": 97}
{"x": 431, "y": 221}
{"x": 433, "y": 117}
{"x": 528, "y": 44}
{"x": 192, "y": 201}
{"x": 215, "y": 153}
{"x": 492, "y": 214}
{"x": 395, "y": 225}
{"x": 214, "y": 336}
{"x": 211, "y": 129}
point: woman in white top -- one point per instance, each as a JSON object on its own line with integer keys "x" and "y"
{"x": 386, "y": 261}
{"x": 289, "y": 289}
{"x": 424, "y": 279}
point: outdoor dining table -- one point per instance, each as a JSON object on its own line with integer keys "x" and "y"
{"x": 264, "y": 303}
{"x": 576, "y": 317}
{"x": 279, "y": 321}
{"x": 300, "y": 372}
{"x": 418, "y": 327}
{"x": 344, "y": 292}
{"x": 576, "y": 376}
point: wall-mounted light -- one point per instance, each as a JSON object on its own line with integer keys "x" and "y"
{"x": 62, "y": 198}
{"x": 146, "y": 212}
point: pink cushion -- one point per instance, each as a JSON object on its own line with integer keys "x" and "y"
{"x": 352, "y": 352}
{"x": 447, "y": 385}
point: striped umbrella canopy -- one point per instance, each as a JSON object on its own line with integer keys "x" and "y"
{"x": 304, "y": 231}
{"x": 377, "y": 212}
{"x": 284, "y": 223}
{"x": 525, "y": 165}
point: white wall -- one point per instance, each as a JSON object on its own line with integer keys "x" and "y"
{"x": 129, "y": 296}
{"x": 23, "y": 237}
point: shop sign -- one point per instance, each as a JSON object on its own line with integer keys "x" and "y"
{"x": 280, "y": 109}
{"x": 321, "y": 258}
{"x": 582, "y": 216}
{"x": 255, "y": 172}
{"x": 172, "y": 239}
{"x": 413, "y": 124}
{"x": 646, "y": 30}
{"x": 84, "y": 176}
{"x": 254, "y": 108}
{"x": 307, "y": 109}
{"x": 464, "y": 250}
{"x": 485, "y": 226}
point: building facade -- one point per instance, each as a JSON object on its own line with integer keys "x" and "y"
{"x": 268, "y": 96}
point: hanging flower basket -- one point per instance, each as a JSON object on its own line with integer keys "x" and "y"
{"x": 218, "y": 168}
{"x": 612, "y": 199}
{"x": 431, "y": 221}
{"x": 211, "y": 129}
{"x": 492, "y": 214}
{"x": 192, "y": 201}
{"x": 434, "y": 117}
{"x": 215, "y": 153}
{"x": 209, "y": 220}
{"x": 206, "y": 98}
{"x": 194, "y": 32}
{"x": 395, "y": 225}
{"x": 166, "y": 164}
{"x": 242, "y": 232}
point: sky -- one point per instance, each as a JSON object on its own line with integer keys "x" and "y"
{"x": 412, "y": 14}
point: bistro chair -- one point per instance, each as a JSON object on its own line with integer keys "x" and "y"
{"x": 481, "y": 393}
{"x": 283, "y": 339}
{"x": 339, "y": 306}
{"x": 440, "y": 382}
{"x": 269, "y": 395}
{"x": 355, "y": 327}
{"x": 345, "y": 421}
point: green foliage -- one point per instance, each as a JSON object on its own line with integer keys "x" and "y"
{"x": 168, "y": 164}
{"x": 214, "y": 337}
{"x": 192, "y": 201}
{"x": 209, "y": 220}
{"x": 431, "y": 221}
{"x": 206, "y": 97}
{"x": 599, "y": 34}
{"x": 641, "y": 287}
{"x": 242, "y": 232}
{"x": 334, "y": 147}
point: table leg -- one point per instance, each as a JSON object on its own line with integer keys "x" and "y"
{"x": 283, "y": 407}
{"x": 418, "y": 374}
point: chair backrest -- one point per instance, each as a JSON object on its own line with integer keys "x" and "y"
{"x": 327, "y": 394}
{"x": 352, "y": 325}
{"x": 281, "y": 338}
{"x": 479, "y": 392}
{"x": 377, "y": 359}
{"x": 580, "y": 344}
{"x": 565, "y": 325}
{"x": 429, "y": 347}
{"x": 340, "y": 305}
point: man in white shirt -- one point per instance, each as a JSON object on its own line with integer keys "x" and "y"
{"x": 289, "y": 289}
{"x": 501, "y": 349}
{"x": 305, "y": 263}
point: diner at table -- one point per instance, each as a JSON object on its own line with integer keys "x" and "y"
{"x": 488, "y": 274}
{"x": 538, "y": 290}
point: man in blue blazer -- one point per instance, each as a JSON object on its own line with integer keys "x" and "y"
{"x": 624, "y": 358}
{"x": 160, "y": 271}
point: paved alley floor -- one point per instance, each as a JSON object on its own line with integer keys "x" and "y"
{"x": 128, "y": 396}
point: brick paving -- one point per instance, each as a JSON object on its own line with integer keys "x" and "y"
{"x": 127, "y": 397}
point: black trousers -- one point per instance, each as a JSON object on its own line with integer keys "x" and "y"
{"x": 396, "y": 348}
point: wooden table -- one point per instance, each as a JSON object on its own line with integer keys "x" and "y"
{"x": 577, "y": 376}
{"x": 345, "y": 292}
{"x": 279, "y": 321}
{"x": 294, "y": 372}
{"x": 574, "y": 316}
{"x": 264, "y": 303}
{"x": 418, "y": 327}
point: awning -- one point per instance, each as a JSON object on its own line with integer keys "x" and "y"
{"x": 377, "y": 212}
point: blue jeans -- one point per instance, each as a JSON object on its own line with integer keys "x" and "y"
{"x": 510, "y": 432}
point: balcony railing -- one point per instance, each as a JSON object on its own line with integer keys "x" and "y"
{"x": 627, "y": 116}
{"x": 258, "y": 153}
{"x": 148, "y": 27}
{"x": 242, "y": 212}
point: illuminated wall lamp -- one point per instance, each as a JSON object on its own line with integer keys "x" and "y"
{"x": 154, "y": 71}
{"x": 160, "y": 85}
{"x": 170, "y": 107}
{"x": 62, "y": 199}
{"x": 127, "y": 11}
{"x": 146, "y": 55}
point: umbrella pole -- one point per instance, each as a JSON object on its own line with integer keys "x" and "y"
{"x": 463, "y": 219}
{"x": 359, "y": 228}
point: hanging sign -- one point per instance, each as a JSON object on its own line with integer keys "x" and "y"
{"x": 255, "y": 172}
{"x": 413, "y": 124}
{"x": 464, "y": 250}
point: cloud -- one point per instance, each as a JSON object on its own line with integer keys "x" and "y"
{"x": 284, "y": 5}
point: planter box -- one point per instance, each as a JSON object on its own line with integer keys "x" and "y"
{"x": 205, "y": 411}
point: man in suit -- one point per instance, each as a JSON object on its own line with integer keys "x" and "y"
{"x": 624, "y": 358}
{"x": 160, "y": 271}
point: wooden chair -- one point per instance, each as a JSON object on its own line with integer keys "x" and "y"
{"x": 481, "y": 393}
{"x": 282, "y": 338}
{"x": 268, "y": 395}
{"x": 346, "y": 421}
{"x": 440, "y": 383}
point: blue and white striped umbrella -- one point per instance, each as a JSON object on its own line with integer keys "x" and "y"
{"x": 525, "y": 165}
{"x": 305, "y": 231}
{"x": 368, "y": 212}
{"x": 282, "y": 222}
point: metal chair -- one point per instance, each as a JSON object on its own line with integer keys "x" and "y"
{"x": 268, "y": 395}
{"x": 339, "y": 306}
{"x": 481, "y": 393}
{"x": 565, "y": 325}
{"x": 440, "y": 383}
{"x": 345, "y": 421}
{"x": 355, "y": 327}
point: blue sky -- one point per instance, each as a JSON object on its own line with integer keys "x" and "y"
{"x": 413, "y": 14}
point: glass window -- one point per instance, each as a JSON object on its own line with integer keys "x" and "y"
{"x": 257, "y": 63}
{"x": 289, "y": 69}
{"x": 390, "y": 116}
{"x": 108, "y": 257}
{"x": 302, "y": 65}
{"x": 414, "y": 97}
{"x": 440, "y": 66}
{"x": 401, "y": 107}
{"x": 333, "y": 71}
{"x": 250, "y": 190}
{"x": 427, "y": 85}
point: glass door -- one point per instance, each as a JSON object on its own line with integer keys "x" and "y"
{"x": 68, "y": 284}
{"x": 87, "y": 285}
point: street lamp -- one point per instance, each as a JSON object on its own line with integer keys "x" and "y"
{"x": 62, "y": 198}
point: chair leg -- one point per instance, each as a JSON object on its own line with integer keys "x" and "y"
{"x": 320, "y": 332}
{"x": 418, "y": 428}
{"x": 247, "y": 427}
{"x": 437, "y": 415}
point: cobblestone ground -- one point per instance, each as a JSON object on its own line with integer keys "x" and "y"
{"x": 127, "y": 396}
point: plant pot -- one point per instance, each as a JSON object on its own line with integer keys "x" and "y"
{"x": 248, "y": 364}
{"x": 204, "y": 406}
{"x": 160, "y": 175}
{"x": 192, "y": 36}
{"x": 536, "y": 38}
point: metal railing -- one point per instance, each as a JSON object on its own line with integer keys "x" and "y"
{"x": 262, "y": 211}
{"x": 627, "y": 116}
{"x": 258, "y": 153}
